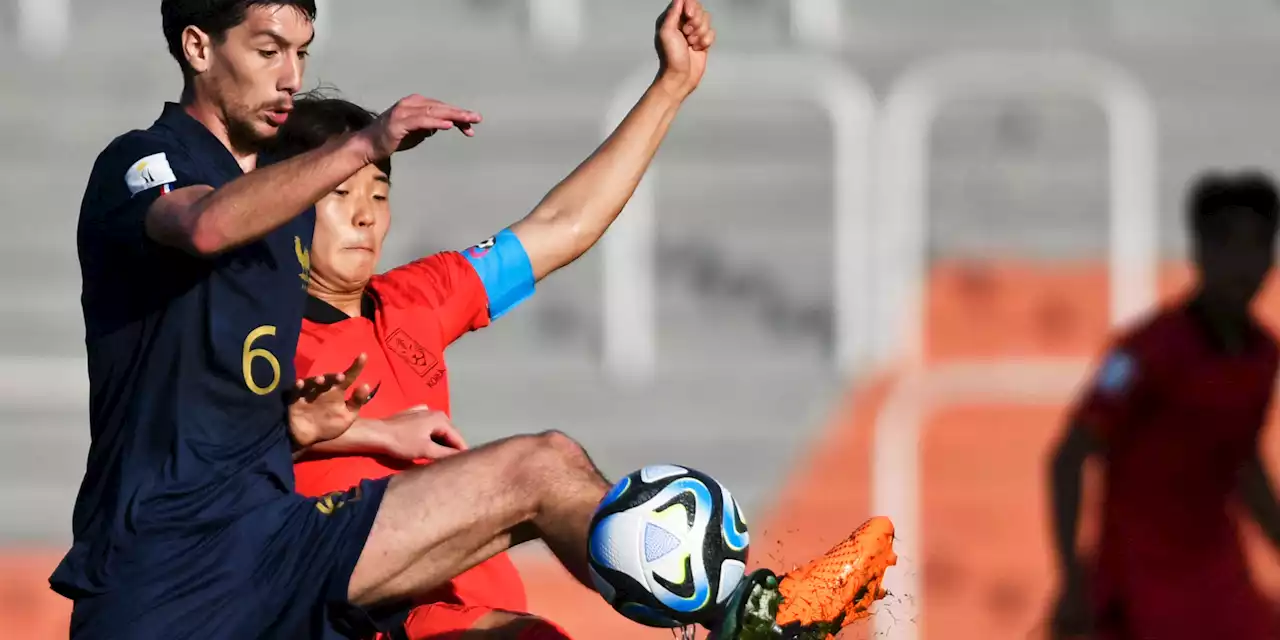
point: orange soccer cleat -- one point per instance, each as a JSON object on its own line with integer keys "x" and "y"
{"x": 816, "y": 601}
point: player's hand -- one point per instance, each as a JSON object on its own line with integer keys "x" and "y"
{"x": 321, "y": 408}
{"x": 412, "y": 120}
{"x": 421, "y": 434}
{"x": 684, "y": 34}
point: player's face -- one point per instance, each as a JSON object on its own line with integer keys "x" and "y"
{"x": 1235, "y": 254}
{"x": 351, "y": 223}
{"x": 257, "y": 68}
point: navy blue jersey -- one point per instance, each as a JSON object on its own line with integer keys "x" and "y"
{"x": 189, "y": 360}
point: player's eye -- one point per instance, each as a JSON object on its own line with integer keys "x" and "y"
{"x": 379, "y": 197}
{"x": 303, "y": 54}
{"x": 267, "y": 53}
{"x": 341, "y": 193}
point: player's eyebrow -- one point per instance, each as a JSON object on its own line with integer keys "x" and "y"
{"x": 383, "y": 179}
{"x": 281, "y": 40}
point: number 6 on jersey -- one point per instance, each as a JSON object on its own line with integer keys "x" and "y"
{"x": 251, "y": 353}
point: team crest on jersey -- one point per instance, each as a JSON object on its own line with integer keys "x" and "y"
{"x": 304, "y": 261}
{"x": 479, "y": 250}
{"x": 1117, "y": 373}
{"x": 412, "y": 352}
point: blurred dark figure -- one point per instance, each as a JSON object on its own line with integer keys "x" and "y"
{"x": 1175, "y": 415}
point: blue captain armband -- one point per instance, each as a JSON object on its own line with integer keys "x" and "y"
{"x": 505, "y": 271}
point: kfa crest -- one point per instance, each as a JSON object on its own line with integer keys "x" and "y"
{"x": 412, "y": 352}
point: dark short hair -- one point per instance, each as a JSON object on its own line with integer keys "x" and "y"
{"x": 319, "y": 116}
{"x": 1215, "y": 195}
{"x": 214, "y": 17}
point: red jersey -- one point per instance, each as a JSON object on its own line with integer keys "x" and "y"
{"x": 410, "y": 315}
{"x": 1179, "y": 416}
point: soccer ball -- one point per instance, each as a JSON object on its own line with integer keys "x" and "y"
{"x": 668, "y": 547}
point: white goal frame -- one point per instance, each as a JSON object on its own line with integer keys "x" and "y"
{"x": 909, "y": 114}
{"x": 898, "y": 432}
{"x": 630, "y": 332}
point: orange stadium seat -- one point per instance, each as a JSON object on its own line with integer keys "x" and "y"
{"x": 28, "y": 609}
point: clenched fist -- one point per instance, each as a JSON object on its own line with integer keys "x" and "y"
{"x": 684, "y": 34}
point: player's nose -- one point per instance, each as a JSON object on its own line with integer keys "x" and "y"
{"x": 363, "y": 217}
{"x": 290, "y": 79}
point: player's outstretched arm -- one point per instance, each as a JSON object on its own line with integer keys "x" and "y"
{"x": 205, "y": 221}
{"x": 573, "y": 215}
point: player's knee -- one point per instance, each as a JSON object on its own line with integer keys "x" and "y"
{"x": 543, "y": 469}
{"x": 563, "y": 452}
{"x": 547, "y": 459}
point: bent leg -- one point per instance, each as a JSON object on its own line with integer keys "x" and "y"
{"x": 440, "y": 520}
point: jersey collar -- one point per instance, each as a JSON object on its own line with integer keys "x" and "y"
{"x": 321, "y": 312}
{"x": 197, "y": 138}
{"x": 1195, "y": 310}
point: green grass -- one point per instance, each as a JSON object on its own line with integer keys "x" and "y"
{"x": 762, "y": 610}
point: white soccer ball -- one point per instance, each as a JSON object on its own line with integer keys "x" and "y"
{"x": 668, "y": 547}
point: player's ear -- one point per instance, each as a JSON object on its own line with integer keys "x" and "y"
{"x": 197, "y": 46}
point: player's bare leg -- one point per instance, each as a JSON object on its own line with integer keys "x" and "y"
{"x": 442, "y": 519}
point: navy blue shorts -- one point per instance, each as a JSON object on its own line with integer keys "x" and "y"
{"x": 282, "y": 571}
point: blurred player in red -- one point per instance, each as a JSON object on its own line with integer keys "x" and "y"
{"x": 1175, "y": 415}
{"x": 405, "y": 318}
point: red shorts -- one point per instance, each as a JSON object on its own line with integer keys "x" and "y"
{"x": 450, "y": 622}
